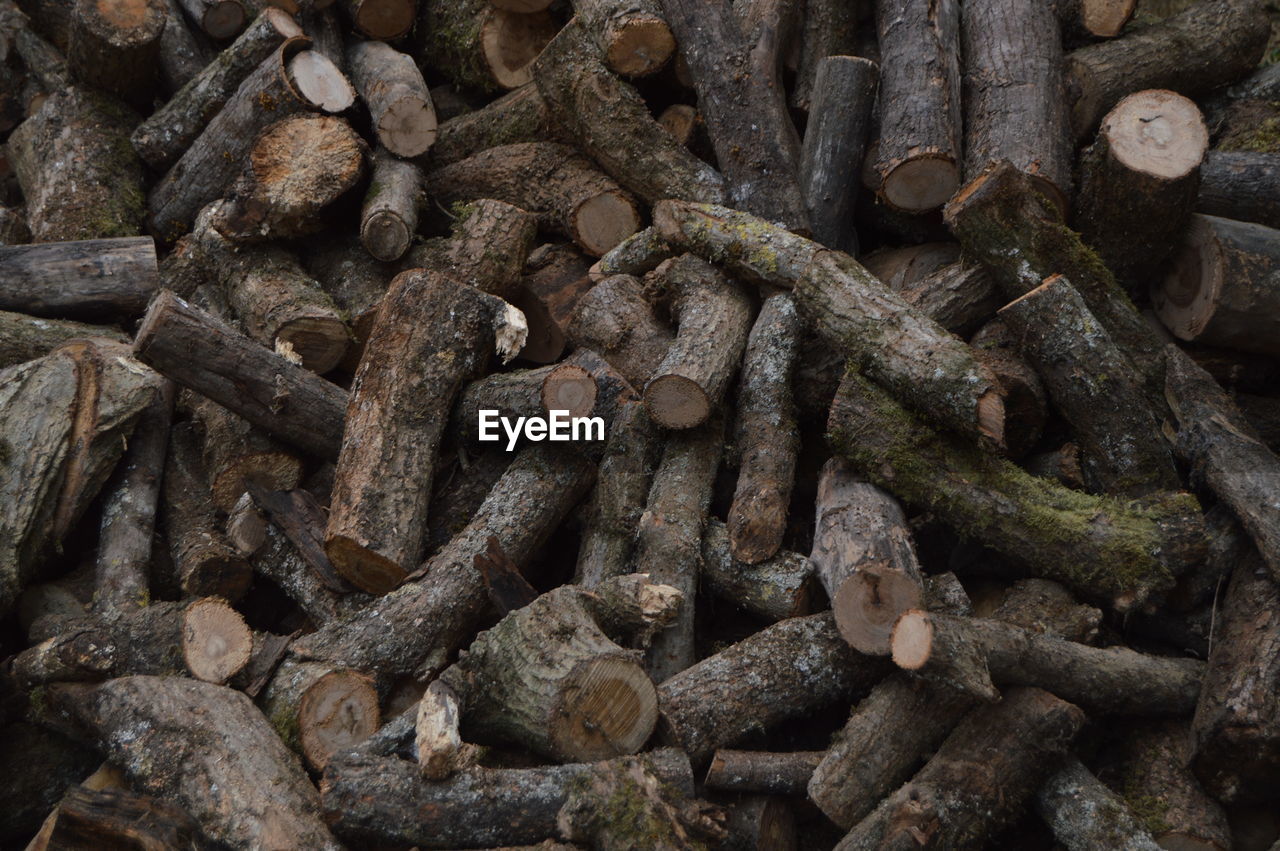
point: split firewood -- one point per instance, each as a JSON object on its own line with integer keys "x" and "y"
{"x": 1084, "y": 814}
{"x": 163, "y": 731}
{"x": 796, "y": 666}
{"x": 553, "y": 180}
{"x": 521, "y": 115}
{"x": 389, "y": 217}
{"x": 78, "y": 138}
{"x": 480, "y": 46}
{"x": 1096, "y": 389}
{"x": 292, "y": 79}
{"x": 614, "y": 319}
{"x": 762, "y": 771}
{"x": 236, "y": 454}
{"x": 1139, "y": 181}
{"x": 115, "y": 47}
{"x": 1218, "y": 290}
{"x": 163, "y": 136}
{"x": 1019, "y": 741}
{"x": 391, "y": 85}
{"x": 1015, "y": 107}
{"x": 638, "y": 254}
{"x": 89, "y": 279}
{"x": 564, "y": 387}
{"x": 1240, "y": 185}
{"x": 842, "y": 97}
{"x": 380, "y": 799}
{"x": 899, "y": 347}
{"x": 863, "y": 555}
{"x": 1209, "y": 44}
{"x": 24, "y": 337}
{"x": 219, "y": 19}
{"x": 610, "y": 122}
{"x": 916, "y": 158}
{"x": 87, "y": 817}
{"x": 375, "y": 532}
{"x": 1033, "y": 521}
{"x": 634, "y": 38}
{"x": 197, "y": 351}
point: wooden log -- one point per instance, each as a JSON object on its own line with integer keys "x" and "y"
{"x": 355, "y": 281}
{"x": 1026, "y": 405}
{"x": 1015, "y": 107}
{"x": 1138, "y": 182}
{"x": 1083, "y": 813}
{"x": 219, "y": 19}
{"x": 636, "y": 255}
{"x": 319, "y": 709}
{"x": 864, "y": 557}
{"x": 254, "y": 792}
{"x": 1096, "y": 389}
{"x": 909, "y": 353}
{"x": 235, "y": 454}
{"x": 1192, "y": 53}
{"x": 78, "y": 138}
{"x": 294, "y": 169}
{"x": 87, "y": 817}
{"x": 89, "y": 279}
{"x": 390, "y": 83}
{"x": 523, "y": 393}
{"x": 1218, "y": 290}
{"x": 115, "y": 47}
{"x": 520, "y": 115}
{"x": 1085, "y": 20}
{"x": 379, "y": 799}
{"x": 479, "y": 46}
{"x": 488, "y": 248}
{"x": 916, "y": 160}
{"x": 183, "y": 55}
{"x": 829, "y": 28}
{"x": 24, "y": 338}
{"x": 1021, "y": 740}
{"x": 762, "y": 771}
{"x": 774, "y": 589}
{"x": 162, "y": 137}
{"x": 396, "y": 416}
{"x": 614, "y": 319}
{"x": 279, "y": 560}
{"x": 633, "y": 38}
{"x": 553, "y": 180}
{"x": 292, "y": 79}
{"x": 389, "y": 217}
{"x": 554, "y": 280}
{"x": 386, "y": 20}
{"x": 1240, "y": 185}
{"x": 1022, "y": 516}
{"x": 610, "y": 122}
{"x": 796, "y": 666}
{"x": 197, "y": 351}
{"x": 843, "y": 94}
{"x": 959, "y": 296}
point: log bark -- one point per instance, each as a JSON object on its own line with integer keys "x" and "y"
{"x": 165, "y": 732}
{"x": 1219, "y": 289}
{"x": 478, "y": 46}
{"x": 958, "y": 295}
{"x": 555, "y": 279}
{"x": 633, "y": 37}
{"x": 843, "y": 94}
{"x": 1026, "y": 518}
{"x": 390, "y": 83}
{"x": 396, "y": 416}
{"x": 1026, "y": 405}
{"x": 762, "y": 771}
{"x": 830, "y": 28}
{"x": 280, "y": 560}
{"x": 386, "y": 20}
{"x": 1020, "y": 741}
{"x": 1192, "y": 53}
{"x": 183, "y": 54}
{"x": 636, "y": 255}
{"x": 219, "y": 19}
{"x": 614, "y": 319}
{"x": 1086, "y": 20}
{"x": 194, "y": 349}
{"x": 909, "y": 353}
{"x": 163, "y": 137}
{"x": 389, "y": 217}
{"x": 92, "y": 279}
{"x": 610, "y": 122}
{"x": 1138, "y": 183}
{"x": 292, "y": 79}
{"x": 553, "y": 180}
{"x": 79, "y": 138}
{"x": 796, "y": 666}
{"x": 353, "y": 279}
{"x": 1015, "y": 106}
{"x": 521, "y": 115}
{"x": 490, "y": 243}
{"x": 1085, "y": 814}
{"x": 777, "y": 588}
{"x": 24, "y": 338}
{"x": 1096, "y": 389}
{"x": 916, "y": 160}
{"x": 767, "y": 435}
{"x": 1240, "y": 185}
{"x": 319, "y": 709}
{"x": 236, "y": 455}
{"x": 116, "y": 47}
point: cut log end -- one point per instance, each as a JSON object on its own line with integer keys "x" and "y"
{"x": 337, "y": 712}
{"x": 569, "y": 388}
{"x": 320, "y": 82}
{"x": 510, "y": 41}
{"x": 224, "y": 19}
{"x": 216, "y": 643}
{"x": 362, "y": 567}
{"x": 609, "y": 707}
{"x": 991, "y": 416}
{"x": 602, "y": 221}
{"x": 125, "y": 22}
{"x": 385, "y": 19}
{"x": 911, "y": 641}
{"x": 868, "y": 605}
{"x": 756, "y": 524}
{"x": 676, "y": 402}
{"x": 1157, "y": 132}
{"x": 385, "y": 236}
{"x": 639, "y": 46}
{"x": 1186, "y": 299}
{"x": 921, "y": 184}
{"x": 408, "y": 127}
{"x": 320, "y": 342}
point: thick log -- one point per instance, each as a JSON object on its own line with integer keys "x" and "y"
{"x": 553, "y": 180}
{"x": 236, "y": 454}
{"x": 164, "y": 731}
{"x": 957, "y": 295}
{"x": 280, "y": 560}
{"x": 843, "y": 94}
{"x": 636, "y": 255}
{"x": 916, "y": 159}
{"x": 1219, "y": 289}
{"x": 1138, "y": 182}
{"x": 319, "y": 709}
{"x": 555, "y": 278}
{"x": 115, "y": 47}
{"x": 386, "y": 20}
{"x": 479, "y": 46}
{"x": 906, "y": 351}
{"x": 87, "y": 818}
{"x": 1192, "y": 53}
{"x": 292, "y": 79}
{"x": 520, "y": 115}
{"x": 1019, "y": 741}
{"x": 162, "y": 137}
{"x": 609, "y": 120}
{"x": 1084, "y": 814}
{"x": 1240, "y": 185}
{"x": 389, "y": 217}
{"x": 633, "y": 37}
{"x": 762, "y": 771}
{"x": 1055, "y": 532}
{"x": 488, "y": 248}
{"x": 1096, "y": 389}
{"x": 390, "y": 83}
{"x": 24, "y": 338}
{"x": 1015, "y": 105}
{"x": 398, "y": 409}
{"x": 614, "y": 319}
{"x": 1085, "y": 20}
{"x": 89, "y": 279}
{"x": 79, "y": 138}
{"x": 796, "y": 666}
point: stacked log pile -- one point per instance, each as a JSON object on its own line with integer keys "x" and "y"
{"x": 637, "y": 424}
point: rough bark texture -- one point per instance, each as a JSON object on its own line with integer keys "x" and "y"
{"x": 639, "y": 253}
{"x": 1084, "y": 814}
{"x": 237, "y": 455}
{"x": 633, "y": 37}
{"x": 404, "y": 118}
{"x": 555, "y": 278}
{"x": 24, "y": 338}
{"x": 520, "y": 115}
{"x": 389, "y": 218}
{"x": 958, "y": 295}
{"x": 381, "y": 19}
{"x": 89, "y": 817}
{"x": 481, "y": 47}
{"x": 1240, "y": 185}
{"x": 354, "y": 280}
{"x": 1026, "y": 404}
{"x": 116, "y": 47}
{"x": 614, "y": 319}
{"x": 762, "y": 771}
{"x": 183, "y": 55}
{"x": 90, "y": 279}
{"x": 829, "y": 28}
{"x": 221, "y": 19}
{"x": 488, "y": 248}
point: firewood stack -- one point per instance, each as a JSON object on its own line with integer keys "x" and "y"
{"x": 638, "y": 424}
